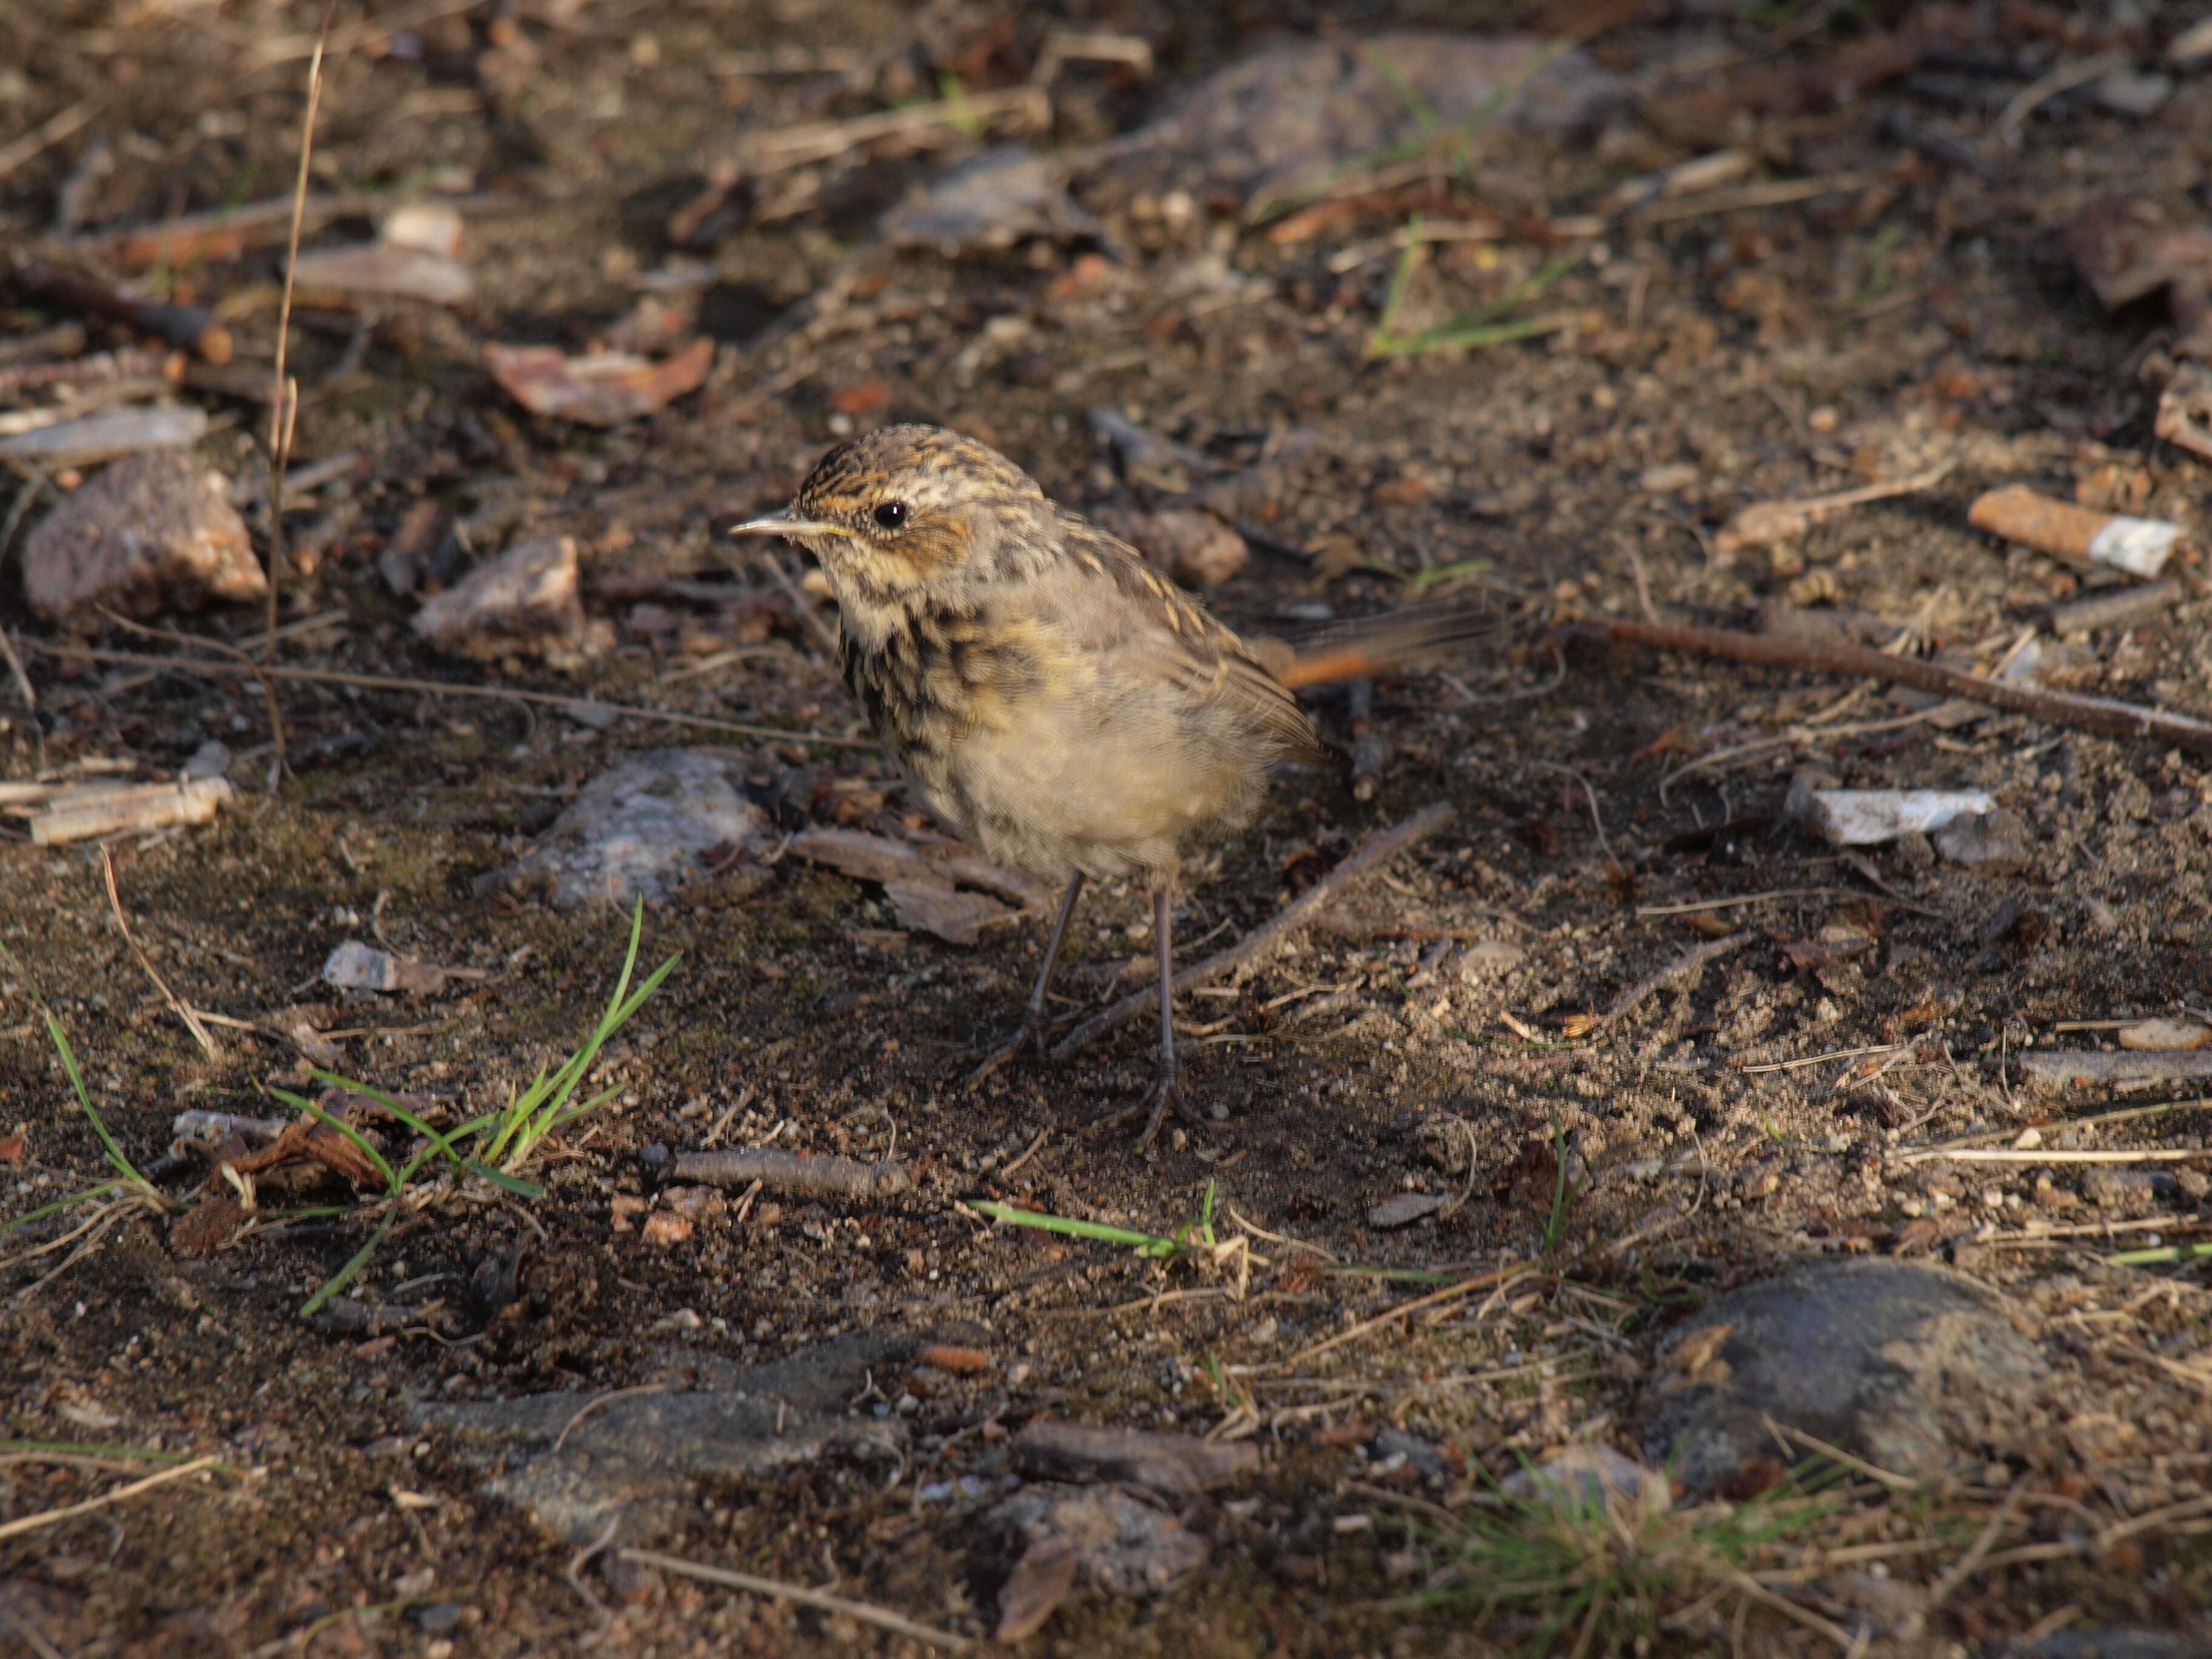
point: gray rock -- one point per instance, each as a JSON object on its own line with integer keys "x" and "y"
{"x": 1404, "y": 1210}
{"x": 210, "y": 760}
{"x": 1908, "y": 1367}
{"x": 153, "y": 530}
{"x": 1996, "y": 843}
{"x": 1274, "y": 124}
{"x": 638, "y": 1455}
{"x": 637, "y": 832}
{"x": 1122, "y": 1545}
{"x": 993, "y": 200}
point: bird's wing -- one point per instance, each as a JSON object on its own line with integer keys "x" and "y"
{"x": 1160, "y": 634}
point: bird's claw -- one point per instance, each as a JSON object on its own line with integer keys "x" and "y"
{"x": 1031, "y": 1027}
{"x": 1165, "y": 1091}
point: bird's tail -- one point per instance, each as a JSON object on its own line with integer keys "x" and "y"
{"x": 1367, "y": 645}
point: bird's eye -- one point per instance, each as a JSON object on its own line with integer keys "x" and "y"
{"x": 892, "y": 514}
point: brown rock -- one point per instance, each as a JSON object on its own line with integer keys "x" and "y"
{"x": 152, "y": 530}
{"x": 523, "y": 602}
{"x": 1196, "y": 549}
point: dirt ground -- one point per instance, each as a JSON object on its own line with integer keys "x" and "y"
{"x": 1442, "y": 1033}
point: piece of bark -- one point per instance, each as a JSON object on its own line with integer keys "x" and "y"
{"x": 343, "y": 1316}
{"x": 154, "y": 806}
{"x": 1174, "y": 1465}
{"x": 2102, "y": 1067}
{"x": 2122, "y": 608}
{"x": 794, "y": 1172}
{"x": 602, "y": 388}
{"x": 384, "y": 268}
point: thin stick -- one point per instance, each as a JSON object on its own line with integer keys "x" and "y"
{"x": 284, "y": 418}
{"x": 1450, "y": 1292}
{"x": 51, "y": 1517}
{"x": 1694, "y": 960}
{"x": 1894, "y": 1482}
{"x": 1978, "y": 1551}
{"x": 598, "y": 1401}
{"x": 881, "y": 1617}
{"x": 1597, "y": 823}
{"x": 2114, "y": 718}
{"x": 176, "y": 1004}
{"x": 2048, "y": 1155}
{"x": 1378, "y": 850}
{"x": 441, "y": 689}
{"x": 260, "y": 672}
{"x": 821, "y": 629}
{"x": 1702, "y": 905}
{"x": 39, "y": 138}
{"x": 2064, "y": 78}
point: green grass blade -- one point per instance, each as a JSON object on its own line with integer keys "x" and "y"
{"x": 116, "y": 1155}
{"x": 61, "y": 1203}
{"x": 1150, "y": 1244}
{"x": 1437, "y": 575}
{"x": 344, "y": 1276}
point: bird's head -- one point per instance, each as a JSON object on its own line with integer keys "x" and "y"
{"x": 903, "y": 508}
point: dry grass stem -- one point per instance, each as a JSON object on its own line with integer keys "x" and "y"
{"x": 45, "y": 1518}
{"x": 881, "y": 1617}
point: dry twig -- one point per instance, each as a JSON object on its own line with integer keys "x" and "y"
{"x": 881, "y": 1617}
{"x": 182, "y": 1009}
{"x": 2114, "y": 718}
{"x": 825, "y": 1176}
{"x": 1378, "y": 850}
{"x": 45, "y": 1518}
{"x": 435, "y": 689}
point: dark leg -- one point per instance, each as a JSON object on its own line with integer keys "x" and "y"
{"x": 1034, "y": 1023}
{"x": 1163, "y": 1090}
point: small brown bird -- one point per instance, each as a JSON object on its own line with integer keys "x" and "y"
{"x": 1065, "y": 708}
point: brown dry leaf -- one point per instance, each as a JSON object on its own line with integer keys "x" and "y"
{"x": 1038, "y": 1584}
{"x": 601, "y": 388}
{"x": 955, "y": 917}
{"x": 203, "y": 1229}
{"x": 1805, "y": 955}
{"x": 11, "y": 1149}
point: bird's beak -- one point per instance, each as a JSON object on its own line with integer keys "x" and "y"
{"x": 783, "y": 524}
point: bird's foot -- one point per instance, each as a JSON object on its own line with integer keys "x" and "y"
{"x": 1166, "y": 1091}
{"x": 1032, "y": 1028}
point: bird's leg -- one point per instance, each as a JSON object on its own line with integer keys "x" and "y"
{"x": 1034, "y": 1023}
{"x": 1163, "y": 1092}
